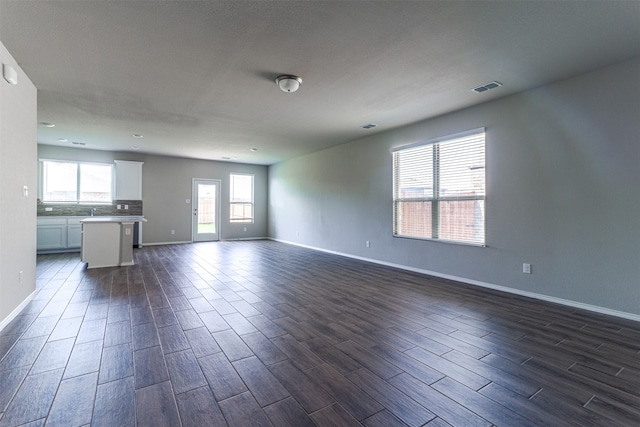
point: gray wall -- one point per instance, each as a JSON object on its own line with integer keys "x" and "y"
{"x": 18, "y": 136}
{"x": 167, "y": 182}
{"x": 563, "y": 180}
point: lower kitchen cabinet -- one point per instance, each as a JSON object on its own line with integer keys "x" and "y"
{"x": 59, "y": 234}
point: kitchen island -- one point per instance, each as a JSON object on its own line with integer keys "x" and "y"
{"x": 107, "y": 241}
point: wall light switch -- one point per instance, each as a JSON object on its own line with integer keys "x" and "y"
{"x": 25, "y": 191}
{"x": 187, "y": 200}
{"x": 526, "y": 268}
{"x": 118, "y": 206}
{"x": 127, "y": 231}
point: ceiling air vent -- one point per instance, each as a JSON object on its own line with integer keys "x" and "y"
{"x": 486, "y": 87}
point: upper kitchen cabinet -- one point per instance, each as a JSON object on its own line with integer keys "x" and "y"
{"x": 128, "y": 180}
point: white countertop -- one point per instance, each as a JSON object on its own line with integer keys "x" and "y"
{"x": 114, "y": 219}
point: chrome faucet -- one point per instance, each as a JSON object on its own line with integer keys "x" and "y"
{"x": 91, "y": 211}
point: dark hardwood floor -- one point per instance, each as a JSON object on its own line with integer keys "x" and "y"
{"x": 262, "y": 333}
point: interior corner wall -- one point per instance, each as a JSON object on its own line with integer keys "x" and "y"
{"x": 563, "y": 180}
{"x": 18, "y": 142}
{"x": 167, "y": 184}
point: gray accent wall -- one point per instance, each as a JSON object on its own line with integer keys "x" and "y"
{"x": 18, "y": 136}
{"x": 167, "y": 183}
{"x": 563, "y": 194}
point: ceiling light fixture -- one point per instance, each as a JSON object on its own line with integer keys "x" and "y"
{"x": 135, "y": 147}
{"x": 369, "y": 126}
{"x": 253, "y": 149}
{"x": 78, "y": 143}
{"x": 137, "y": 135}
{"x": 9, "y": 74}
{"x": 288, "y": 83}
{"x": 47, "y": 124}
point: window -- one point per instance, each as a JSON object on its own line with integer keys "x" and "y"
{"x": 241, "y": 198}
{"x": 72, "y": 182}
{"x": 439, "y": 189}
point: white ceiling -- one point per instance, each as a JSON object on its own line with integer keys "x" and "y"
{"x": 196, "y": 78}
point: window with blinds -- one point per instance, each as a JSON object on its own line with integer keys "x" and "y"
{"x": 439, "y": 189}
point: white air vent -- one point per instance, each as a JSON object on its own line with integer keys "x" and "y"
{"x": 486, "y": 87}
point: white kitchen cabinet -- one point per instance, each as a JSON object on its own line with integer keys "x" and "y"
{"x": 52, "y": 233}
{"x": 59, "y": 234}
{"x": 108, "y": 241}
{"x": 74, "y": 232}
{"x": 128, "y": 180}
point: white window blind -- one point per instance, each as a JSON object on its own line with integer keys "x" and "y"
{"x": 439, "y": 189}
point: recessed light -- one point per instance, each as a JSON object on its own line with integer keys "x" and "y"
{"x": 63, "y": 140}
{"x": 78, "y": 143}
{"x": 369, "y": 126}
{"x": 137, "y": 135}
{"x": 253, "y": 149}
{"x": 47, "y": 124}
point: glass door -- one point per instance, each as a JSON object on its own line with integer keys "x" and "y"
{"x": 206, "y": 209}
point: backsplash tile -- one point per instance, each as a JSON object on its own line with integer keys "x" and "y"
{"x": 135, "y": 208}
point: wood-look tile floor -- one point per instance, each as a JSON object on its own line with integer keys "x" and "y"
{"x": 262, "y": 333}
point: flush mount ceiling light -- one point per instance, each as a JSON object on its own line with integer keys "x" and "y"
{"x": 9, "y": 74}
{"x": 47, "y": 124}
{"x": 137, "y": 135}
{"x": 288, "y": 83}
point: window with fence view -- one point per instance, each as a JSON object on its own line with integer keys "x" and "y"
{"x": 241, "y": 198}
{"x": 439, "y": 189}
{"x": 73, "y": 182}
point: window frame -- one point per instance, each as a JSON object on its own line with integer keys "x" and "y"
{"x": 77, "y": 201}
{"x": 232, "y": 203}
{"x": 436, "y": 199}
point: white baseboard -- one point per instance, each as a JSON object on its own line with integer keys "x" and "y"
{"x": 244, "y": 238}
{"x": 166, "y": 243}
{"x": 570, "y": 303}
{"x": 17, "y": 311}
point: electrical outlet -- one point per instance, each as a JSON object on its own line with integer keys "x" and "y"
{"x": 187, "y": 200}
{"x": 526, "y": 268}
{"x": 173, "y": 231}
{"x": 245, "y": 229}
{"x": 126, "y": 207}
{"x": 48, "y": 209}
{"x": 367, "y": 244}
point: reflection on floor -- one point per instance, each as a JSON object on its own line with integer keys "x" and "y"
{"x": 263, "y": 333}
